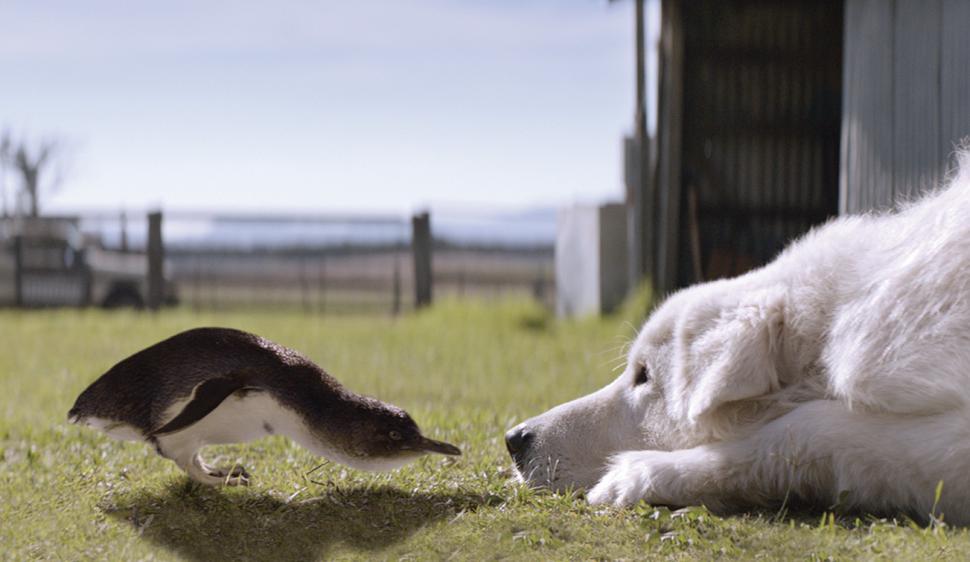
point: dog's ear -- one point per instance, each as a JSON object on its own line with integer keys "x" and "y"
{"x": 735, "y": 356}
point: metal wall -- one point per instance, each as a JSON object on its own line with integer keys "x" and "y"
{"x": 762, "y": 94}
{"x": 907, "y": 98}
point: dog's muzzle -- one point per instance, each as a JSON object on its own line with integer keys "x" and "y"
{"x": 517, "y": 441}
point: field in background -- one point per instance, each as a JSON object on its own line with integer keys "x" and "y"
{"x": 341, "y": 263}
{"x": 465, "y": 371}
{"x": 354, "y": 280}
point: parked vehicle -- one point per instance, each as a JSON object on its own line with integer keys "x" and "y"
{"x": 47, "y": 262}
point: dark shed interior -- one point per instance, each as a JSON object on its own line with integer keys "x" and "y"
{"x": 760, "y": 127}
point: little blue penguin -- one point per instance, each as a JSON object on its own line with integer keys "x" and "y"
{"x": 209, "y": 386}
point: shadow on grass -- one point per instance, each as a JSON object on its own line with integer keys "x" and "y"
{"x": 201, "y": 523}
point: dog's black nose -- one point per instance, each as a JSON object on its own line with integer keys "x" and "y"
{"x": 517, "y": 439}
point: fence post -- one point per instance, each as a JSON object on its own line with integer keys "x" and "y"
{"x": 124, "y": 232}
{"x": 18, "y": 249}
{"x": 304, "y": 284}
{"x": 396, "y": 286}
{"x": 156, "y": 260}
{"x": 539, "y": 286}
{"x": 322, "y": 284}
{"x": 421, "y": 246}
{"x": 87, "y": 281}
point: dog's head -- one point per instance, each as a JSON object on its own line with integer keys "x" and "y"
{"x": 697, "y": 361}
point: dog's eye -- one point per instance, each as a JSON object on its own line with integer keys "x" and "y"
{"x": 642, "y": 376}
{"x": 394, "y": 435}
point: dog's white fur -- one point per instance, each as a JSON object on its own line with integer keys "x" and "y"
{"x": 838, "y": 373}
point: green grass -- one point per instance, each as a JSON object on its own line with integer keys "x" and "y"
{"x": 466, "y": 372}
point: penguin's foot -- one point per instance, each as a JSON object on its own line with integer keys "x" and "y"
{"x": 231, "y": 476}
{"x": 202, "y": 473}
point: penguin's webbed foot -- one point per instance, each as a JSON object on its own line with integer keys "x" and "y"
{"x": 233, "y": 476}
{"x": 202, "y": 473}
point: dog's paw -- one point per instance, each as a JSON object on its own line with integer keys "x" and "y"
{"x": 631, "y": 477}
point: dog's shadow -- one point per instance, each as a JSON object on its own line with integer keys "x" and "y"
{"x": 200, "y": 523}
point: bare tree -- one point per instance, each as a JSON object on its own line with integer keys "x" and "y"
{"x": 32, "y": 163}
{"x": 4, "y": 157}
{"x": 30, "y": 167}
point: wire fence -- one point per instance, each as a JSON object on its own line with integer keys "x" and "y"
{"x": 333, "y": 264}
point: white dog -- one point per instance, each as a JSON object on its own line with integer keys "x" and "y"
{"x": 837, "y": 374}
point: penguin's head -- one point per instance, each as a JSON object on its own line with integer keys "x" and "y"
{"x": 387, "y": 438}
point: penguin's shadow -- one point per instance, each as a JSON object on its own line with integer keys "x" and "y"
{"x": 201, "y": 523}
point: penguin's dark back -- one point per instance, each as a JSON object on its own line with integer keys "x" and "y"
{"x": 139, "y": 388}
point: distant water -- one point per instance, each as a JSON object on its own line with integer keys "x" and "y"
{"x": 531, "y": 228}
{"x": 536, "y": 227}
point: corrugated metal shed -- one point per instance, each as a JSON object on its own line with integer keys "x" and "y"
{"x": 906, "y": 97}
{"x": 775, "y": 114}
{"x": 749, "y": 131}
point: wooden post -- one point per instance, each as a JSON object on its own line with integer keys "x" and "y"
{"x": 641, "y": 265}
{"x": 539, "y": 286}
{"x": 124, "y": 232}
{"x": 669, "y": 135}
{"x": 156, "y": 260}
{"x": 421, "y": 247}
{"x": 304, "y": 284}
{"x": 641, "y": 208}
{"x": 322, "y": 284}
{"x": 396, "y": 286}
{"x": 87, "y": 280}
{"x": 633, "y": 170}
{"x": 18, "y": 248}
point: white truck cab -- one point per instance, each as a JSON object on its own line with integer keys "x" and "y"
{"x": 47, "y": 262}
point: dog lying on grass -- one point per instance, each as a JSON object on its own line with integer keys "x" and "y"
{"x": 837, "y": 374}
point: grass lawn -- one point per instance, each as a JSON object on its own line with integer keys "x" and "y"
{"x": 465, "y": 372}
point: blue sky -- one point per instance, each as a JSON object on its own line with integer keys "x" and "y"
{"x": 387, "y": 106}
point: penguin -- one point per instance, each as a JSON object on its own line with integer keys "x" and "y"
{"x": 210, "y": 386}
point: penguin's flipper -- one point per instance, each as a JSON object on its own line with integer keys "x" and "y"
{"x": 205, "y": 398}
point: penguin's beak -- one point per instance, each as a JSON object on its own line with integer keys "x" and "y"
{"x": 432, "y": 446}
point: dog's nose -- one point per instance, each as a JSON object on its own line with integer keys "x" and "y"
{"x": 517, "y": 439}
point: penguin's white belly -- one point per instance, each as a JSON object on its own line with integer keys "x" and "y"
{"x": 239, "y": 419}
{"x": 242, "y": 418}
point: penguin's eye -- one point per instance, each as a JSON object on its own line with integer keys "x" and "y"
{"x": 394, "y": 435}
{"x": 642, "y": 376}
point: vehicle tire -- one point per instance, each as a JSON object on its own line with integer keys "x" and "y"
{"x": 123, "y": 297}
